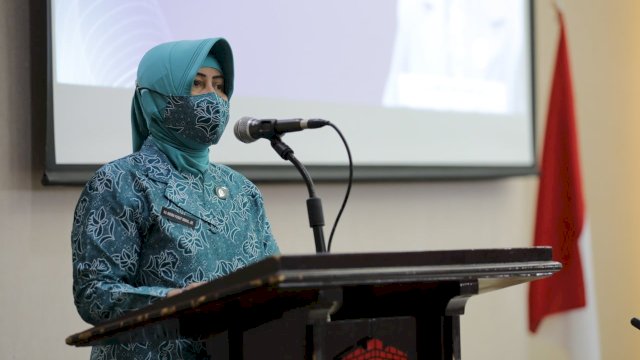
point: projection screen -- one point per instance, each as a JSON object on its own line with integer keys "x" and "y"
{"x": 421, "y": 89}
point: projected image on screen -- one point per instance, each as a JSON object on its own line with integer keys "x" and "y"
{"x": 99, "y": 43}
{"x": 409, "y": 82}
{"x": 457, "y": 55}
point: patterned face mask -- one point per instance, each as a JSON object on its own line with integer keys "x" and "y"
{"x": 200, "y": 118}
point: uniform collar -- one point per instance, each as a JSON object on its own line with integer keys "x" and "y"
{"x": 194, "y": 194}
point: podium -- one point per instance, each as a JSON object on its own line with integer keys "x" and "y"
{"x": 332, "y": 306}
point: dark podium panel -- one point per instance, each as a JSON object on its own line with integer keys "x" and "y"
{"x": 332, "y": 306}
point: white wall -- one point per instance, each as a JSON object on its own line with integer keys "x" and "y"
{"x": 35, "y": 264}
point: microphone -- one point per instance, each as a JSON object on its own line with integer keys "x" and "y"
{"x": 635, "y": 322}
{"x": 249, "y": 129}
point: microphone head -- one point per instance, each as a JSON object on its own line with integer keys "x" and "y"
{"x": 241, "y": 130}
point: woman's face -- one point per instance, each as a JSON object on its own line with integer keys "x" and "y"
{"x": 208, "y": 80}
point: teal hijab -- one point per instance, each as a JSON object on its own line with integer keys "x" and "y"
{"x": 169, "y": 69}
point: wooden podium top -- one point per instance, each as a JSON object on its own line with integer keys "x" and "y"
{"x": 278, "y": 283}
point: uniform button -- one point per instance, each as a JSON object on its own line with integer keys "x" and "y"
{"x": 222, "y": 192}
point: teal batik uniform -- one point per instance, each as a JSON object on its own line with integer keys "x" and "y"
{"x": 151, "y": 222}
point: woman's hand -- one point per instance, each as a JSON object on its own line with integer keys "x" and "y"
{"x": 174, "y": 292}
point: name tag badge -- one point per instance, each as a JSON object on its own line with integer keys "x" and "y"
{"x": 176, "y": 217}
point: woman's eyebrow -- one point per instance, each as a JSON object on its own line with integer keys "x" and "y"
{"x": 213, "y": 77}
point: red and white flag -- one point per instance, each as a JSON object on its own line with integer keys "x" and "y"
{"x": 565, "y": 301}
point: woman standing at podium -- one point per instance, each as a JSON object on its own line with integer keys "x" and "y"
{"x": 164, "y": 218}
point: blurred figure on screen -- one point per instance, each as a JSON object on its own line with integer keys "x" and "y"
{"x": 460, "y": 55}
{"x": 165, "y": 219}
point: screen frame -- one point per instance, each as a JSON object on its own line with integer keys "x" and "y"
{"x": 65, "y": 174}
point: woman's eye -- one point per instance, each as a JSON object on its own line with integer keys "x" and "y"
{"x": 197, "y": 83}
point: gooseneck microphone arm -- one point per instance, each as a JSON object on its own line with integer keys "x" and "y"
{"x": 314, "y": 204}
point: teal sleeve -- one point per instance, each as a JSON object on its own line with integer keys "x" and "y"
{"x": 106, "y": 240}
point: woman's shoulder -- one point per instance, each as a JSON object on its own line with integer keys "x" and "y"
{"x": 125, "y": 165}
{"x": 232, "y": 176}
{"x": 147, "y": 162}
{"x": 112, "y": 175}
{"x": 226, "y": 172}
{"x": 221, "y": 169}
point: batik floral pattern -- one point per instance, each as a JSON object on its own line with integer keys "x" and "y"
{"x": 202, "y": 118}
{"x": 127, "y": 254}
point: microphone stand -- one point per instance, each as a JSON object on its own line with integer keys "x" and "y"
{"x": 314, "y": 204}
